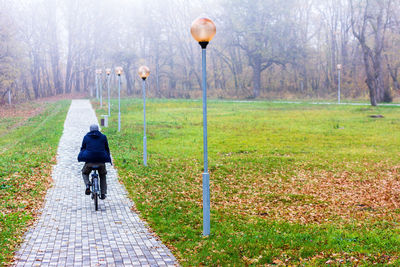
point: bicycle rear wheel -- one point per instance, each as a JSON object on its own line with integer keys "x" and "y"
{"x": 95, "y": 190}
{"x": 96, "y": 203}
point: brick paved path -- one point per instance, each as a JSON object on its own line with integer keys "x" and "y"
{"x": 69, "y": 231}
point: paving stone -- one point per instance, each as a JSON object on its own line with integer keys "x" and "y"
{"x": 70, "y": 232}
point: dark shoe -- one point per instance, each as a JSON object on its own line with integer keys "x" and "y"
{"x": 103, "y": 196}
{"x": 87, "y": 190}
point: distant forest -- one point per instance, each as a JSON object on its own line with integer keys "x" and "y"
{"x": 268, "y": 49}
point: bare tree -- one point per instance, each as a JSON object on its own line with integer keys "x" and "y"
{"x": 371, "y": 17}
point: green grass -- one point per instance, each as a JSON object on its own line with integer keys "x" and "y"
{"x": 7, "y": 123}
{"x": 27, "y": 152}
{"x": 290, "y": 184}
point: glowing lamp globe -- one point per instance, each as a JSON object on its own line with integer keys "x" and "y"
{"x": 203, "y": 30}
{"x": 144, "y": 72}
{"x": 119, "y": 71}
{"x": 108, "y": 71}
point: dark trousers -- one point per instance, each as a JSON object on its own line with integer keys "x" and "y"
{"x": 87, "y": 168}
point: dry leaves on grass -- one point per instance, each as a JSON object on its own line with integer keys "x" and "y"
{"x": 25, "y": 111}
{"x": 315, "y": 196}
{"x": 354, "y": 259}
{"x": 38, "y": 181}
{"x": 307, "y": 196}
{"x": 22, "y": 113}
{"x": 23, "y": 201}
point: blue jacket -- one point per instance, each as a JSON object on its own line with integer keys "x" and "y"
{"x": 94, "y": 148}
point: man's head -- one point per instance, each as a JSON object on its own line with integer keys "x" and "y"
{"x": 94, "y": 127}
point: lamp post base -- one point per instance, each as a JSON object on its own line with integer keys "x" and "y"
{"x": 119, "y": 121}
{"x": 108, "y": 94}
{"x": 145, "y": 151}
{"x": 206, "y": 204}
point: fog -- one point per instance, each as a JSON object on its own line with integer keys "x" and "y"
{"x": 287, "y": 49}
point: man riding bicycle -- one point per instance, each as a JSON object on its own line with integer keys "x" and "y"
{"x": 95, "y": 152}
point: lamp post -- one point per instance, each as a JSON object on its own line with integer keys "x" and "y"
{"x": 144, "y": 72}
{"x": 339, "y": 67}
{"x": 101, "y": 87}
{"x": 108, "y": 72}
{"x": 118, "y": 71}
{"x": 203, "y": 30}
{"x": 9, "y": 97}
{"x": 98, "y": 71}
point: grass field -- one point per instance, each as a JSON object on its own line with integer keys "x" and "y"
{"x": 28, "y": 144}
{"x": 290, "y": 183}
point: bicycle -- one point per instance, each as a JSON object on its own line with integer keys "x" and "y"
{"x": 95, "y": 188}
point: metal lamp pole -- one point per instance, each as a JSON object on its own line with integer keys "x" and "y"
{"x": 203, "y": 30}
{"x": 119, "y": 102}
{"x": 97, "y": 85}
{"x": 108, "y": 72}
{"x": 339, "y": 67}
{"x": 101, "y": 88}
{"x": 144, "y": 72}
{"x": 144, "y": 124}
{"x": 206, "y": 175}
{"x": 118, "y": 70}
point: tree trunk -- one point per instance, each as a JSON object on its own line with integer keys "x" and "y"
{"x": 35, "y": 77}
{"x": 85, "y": 80}
{"x": 379, "y": 80}
{"x": 128, "y": 78}
{"x": 77, "y": 81}
{"x": 48, "y": 87}
{"x": 256, "y": 66}
{"x": 56, "y": 69}
{"x": 377, "y": 58}
{"x": 157, "y": 72}
{"x": 370, "y": 77}
{"x": 158, "y": 90}
{"x": 373, "y": 16}
{"x": 70, "y": 50}
{"x": 393, "y": 73}
{"x": 68, "y": 72}
{"x": 25, "y": 86}
{"x": 53, "y": 42}
{"x": 215, "y": 72}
